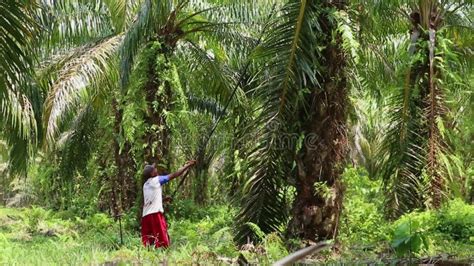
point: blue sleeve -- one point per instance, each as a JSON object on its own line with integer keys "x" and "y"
{"x": 164, "y": 179}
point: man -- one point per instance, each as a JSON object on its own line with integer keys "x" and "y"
{"x": 154, "y": 228}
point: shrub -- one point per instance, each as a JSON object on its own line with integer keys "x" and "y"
{"x": 99, "y": 221}
{"x": 456, "y": 219}
{"x": 411, "y": 232}
{"x": 186, "y": 209}
{"x": 65, "y": 215}
{"x": 275, "y": 247}
{"x": 34, "y": 217}
{"x": 362, "y": 221}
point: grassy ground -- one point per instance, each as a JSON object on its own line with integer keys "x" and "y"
{"x": 35, "y": 236}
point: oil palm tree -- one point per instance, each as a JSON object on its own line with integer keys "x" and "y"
{"x": 422, "y": 70}
{"x": 161, "y": 29}
{"x": 126, "y": 42}
{"x": 18, "y": 98}
{"x": 300, "y": 129}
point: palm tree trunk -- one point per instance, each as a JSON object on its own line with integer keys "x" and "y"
{"x": 201, "y": 178}
{"x": 319, "y": 191}
{"x": 158, "y": 95}
{"x": 125, "y": 185}
{"x": 431, "y": 100}
{"x": 436, "y": 109}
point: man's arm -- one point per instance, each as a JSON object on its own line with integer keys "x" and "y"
{"x": 183, "y": 169}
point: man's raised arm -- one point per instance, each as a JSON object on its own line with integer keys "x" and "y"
{"x": 183, "y": 169}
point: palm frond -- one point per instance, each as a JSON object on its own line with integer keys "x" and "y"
{"x": 230, "y": 27}
{"x": 73, "y": 80}
{"x": 204, "y": 105}
{"x": 19, "y": 151}
{"x": 19, "y": 108}
{"x": 372, "y": 17}
{"x": 18, "y": 31}
{"x": 118, "y": 13}
{"x": 402, "y": 161}
{"x": 75, "y": 146}
{"x": 290, "y": 67}
{"x": 134, "y": 39}
{"x": 69, "y": 23}
{"x": 240, "y": 12}
{"x": 18, "y": 101}
{"x": 21, "y": 113}
{"x": 202, "y": 66}
{"x": 414, "y": 154}
{"x": 402, "y": 152}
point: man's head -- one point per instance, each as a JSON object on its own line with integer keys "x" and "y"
{"x": 149, "y": 171}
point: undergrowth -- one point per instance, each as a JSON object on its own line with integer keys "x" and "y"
{"x": 38, "y": 236}
{"x": 203, "y": 235}
{"x": 366, "y": 235}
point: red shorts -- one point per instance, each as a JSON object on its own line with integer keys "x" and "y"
{"x": 154, "y": 230}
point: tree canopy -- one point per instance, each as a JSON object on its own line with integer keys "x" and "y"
{"x": 275, "y": 99}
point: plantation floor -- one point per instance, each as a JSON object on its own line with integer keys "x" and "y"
{"x": 35, "y": 236}
{"x": 39, "y": 237}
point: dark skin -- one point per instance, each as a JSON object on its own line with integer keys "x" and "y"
{"x": 180, "y": 171}
{"x": 172, "y": 176}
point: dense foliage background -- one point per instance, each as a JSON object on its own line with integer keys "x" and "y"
{"x": 347, "y": 121}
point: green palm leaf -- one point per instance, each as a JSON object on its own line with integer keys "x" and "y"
{"x": 134, "y": 39}
{"x": 68, "y": 24}
{"x": 86, "y": 68}
{"x": 291, "y": 60}
{"x": 18, "y": 101}
{"x": 411, "y": 155}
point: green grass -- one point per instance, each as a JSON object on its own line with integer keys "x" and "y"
{"x": 35, "y": 236}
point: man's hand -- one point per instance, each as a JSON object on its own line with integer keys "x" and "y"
{"x": 182, "y": 169}
{"x": 190, "y": 163}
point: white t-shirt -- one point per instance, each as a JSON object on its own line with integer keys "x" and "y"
{"x": 152, "y": 196}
